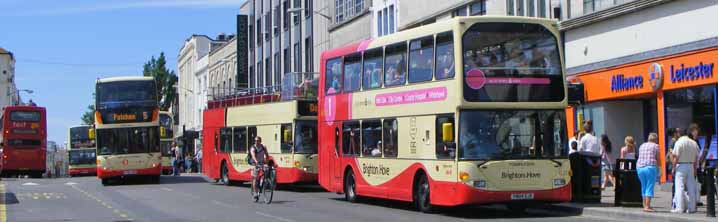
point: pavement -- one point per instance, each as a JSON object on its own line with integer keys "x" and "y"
{"x": 191, "y": 197}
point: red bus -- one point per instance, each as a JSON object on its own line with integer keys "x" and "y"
{"x": 464, "y": 111}
{"x": 24, "y": 140}
{"x": 285, "y": 119}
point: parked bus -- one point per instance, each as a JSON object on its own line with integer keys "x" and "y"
{"x": 82, "y": 154}
{"x": 285, "y": 119}
{"x": 127, "y": 129}
{"x": 166, "y": 135}
{"x": 464, "y": 111}
{"x": 24, "y": 141}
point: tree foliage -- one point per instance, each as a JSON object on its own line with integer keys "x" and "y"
{"x": 88, "y": 118}
{"x": 164, "y": 78}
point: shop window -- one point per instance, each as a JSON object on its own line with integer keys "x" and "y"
{"x": 240, "y": 140}
{"x": 350, "y": 138}
{"x": 352, "y": 73}
{"x": 225, "y": 140}
{"x": 421, "y": 60}
{"x": 391, "y": 138}
{"x": 371, "y": 140}
{"x": 445, "y": 149}
{"x": 373, "y": 69}
{"x": 333, "y": 76}
{"x": 691, "y": 105}
{"x": 395, "y": 67}
{"x": 285, "y": 136}
{"x": 444, "y": 56}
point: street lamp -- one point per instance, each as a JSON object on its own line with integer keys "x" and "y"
{"x": 298, "y": 10}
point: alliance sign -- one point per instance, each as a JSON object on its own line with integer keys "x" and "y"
{"x": 620, "y": 82}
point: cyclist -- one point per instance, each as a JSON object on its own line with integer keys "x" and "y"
{"x": 259, "y": 156}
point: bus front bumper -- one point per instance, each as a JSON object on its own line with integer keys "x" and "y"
{"x": 464, "y": 194}
{"x": 154, "y": 171}
{"x": 294, "y": 175}
{"x": 83, "y": 171}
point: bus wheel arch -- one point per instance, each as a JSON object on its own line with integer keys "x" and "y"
{"x": 421, "y": 192}
{"x": 349, "y": 187}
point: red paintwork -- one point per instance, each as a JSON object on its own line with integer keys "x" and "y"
{"x": 213, "y": 120}
{"x": 83, "y": 171}
{"x": 24, "y": 158}
{"x": 153, "y": 171}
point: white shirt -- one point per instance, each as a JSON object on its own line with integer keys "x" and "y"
{"x": 589, "y": 144}
{"x": 686, "y": 149}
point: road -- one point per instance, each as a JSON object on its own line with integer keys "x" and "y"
{"x": 192, "y": 198}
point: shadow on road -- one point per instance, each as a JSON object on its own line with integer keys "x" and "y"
{"x": 183, "y": 179}
{"x": 10, "y": 198}
{"x": 301, "y": 188}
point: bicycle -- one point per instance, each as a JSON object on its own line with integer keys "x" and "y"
{"x": 267, "y": 182}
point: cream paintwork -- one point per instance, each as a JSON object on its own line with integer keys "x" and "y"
{"x": 491, "y": 173}
{"x": 284, "y": 160}
{"x": 262, "y": 114}
{"x": 134, "y": 161}
{"x": 395, "y": 167}
{"x": 126, "y": 125}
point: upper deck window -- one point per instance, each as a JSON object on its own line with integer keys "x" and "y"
{"x": 111, "y": 93}
{"x": 444, "y": 56}
{"x": 25, "y": 116}
{"x": 373, "y": 67}
{"x": 395, "y": 68}
{"x": 352, "y": 73}
{"x": 333, "y": 78}
{"x": 511, "y": 62}
{"x": 421, "y": 60}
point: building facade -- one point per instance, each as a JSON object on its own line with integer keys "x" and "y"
{"x": 641, "y": 71}
{"x": 222, "y": 66}
{"x": 8, "y": 90}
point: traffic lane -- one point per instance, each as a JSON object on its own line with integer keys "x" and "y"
{"x": 53, "y": 199}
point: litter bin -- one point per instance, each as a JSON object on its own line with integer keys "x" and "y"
{"x": 628, "y": 187}
{"x": 586, "y": 177}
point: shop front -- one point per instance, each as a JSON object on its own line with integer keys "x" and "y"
{"x": 656, "y": 95}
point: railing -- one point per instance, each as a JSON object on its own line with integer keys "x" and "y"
{"x": 295, "y": 85}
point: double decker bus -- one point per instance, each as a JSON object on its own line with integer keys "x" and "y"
{"x": 284, "y": 117}
{"x": 166, "y": 135}
{"x": 127, "y": 129}
{"x": 24, "y": 141}
{"x": 460, "y": 112}
{"x": 82, "y": 154}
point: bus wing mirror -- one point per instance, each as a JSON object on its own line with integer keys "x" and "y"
{"x": 91, "y": 133}
{"x": 447, "y": 132}
{"x": 287, "y": 136}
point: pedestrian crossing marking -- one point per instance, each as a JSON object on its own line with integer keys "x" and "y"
{"x": 40, "y": 196}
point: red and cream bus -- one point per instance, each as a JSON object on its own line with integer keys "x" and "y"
{"x": 285, "y": 118}
{"x": 166, "y": 138}
{"x": 24, "y": 140}
{"x": 464, "y": 111}
{"x": 82, "y": 154}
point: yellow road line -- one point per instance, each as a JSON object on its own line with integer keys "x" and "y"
{"x": 3, "y": 208}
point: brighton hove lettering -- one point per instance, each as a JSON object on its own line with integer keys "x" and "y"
{"x": 620, "y": 83}
{"x": 700, "y": 71}
{"x": 369, "y": 170}
{"x": 515, "y": 175}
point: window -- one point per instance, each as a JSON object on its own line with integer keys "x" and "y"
{"x": 378, "y": 24}
{"x": 349, "y": 9}
{"x": 531, "y": 8}
{"x": 287, "y": 66}
{"x": 478, "y": 8}
{"x": 421, "y": 60}
{"x": 297, "y": 58}
{"x": 333, "y": 78}
{"x": 588, "y": 6}
{"x": 308, "y": 10}
{"x": 240, "y": 140}
{"x": 391, "y": 19}
{"x": 444, "y": 55}
{"x": 268, "y": 72}
{"x": 277, "y": 69}
{"x": 297, "y": 4}
{"x": 114, "y": 141}
{"x": 520, "y": 7}
{"x": 395, "y": 67}
{"x": 260, "y": 74}
{"x": 286, "y": 15}
{"x": 339, "y": 11}
{"x": 371, "y": 140}
{"x": 391, "y": 137}
{"x": 352, "y": 73}
{"x": 259, "y": 32}
{"x": 285, "y": 136}
{"x": 509, "y": 7}
{"x": 309, "y": 53}
{"x": 251, "y": 134}
{"x": 445, "y": 150}
{"x": 252, "y": 77}
{"x": 542, "y": 8}
{"x": 358, "y": 6}
{"x": 276, "y": 21}
{"x": 461, "y": 11}
{"x": 305, "y": 140}
{"x": 350, "y": 138}
{"x": 225, "y": 140}
{"x": 29, "y": 116}
{"x": 251, "y": 36}
{"x": 385, "y": 30}
{"x": 373, "y": 69}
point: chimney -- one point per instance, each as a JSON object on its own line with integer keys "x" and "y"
{"x": 221, "y": 37}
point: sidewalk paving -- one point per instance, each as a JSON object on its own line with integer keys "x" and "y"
{"x": 661, "y": 203}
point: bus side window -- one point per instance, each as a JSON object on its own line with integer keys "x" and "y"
{"x": 371, "y": 140}
{"x": 444, "y": 56}
{"x": 391, "y": 132}
{"x": 240, "y": 140}
{"x": 445, "y": 150}
{"x": 333, "y": 78}
{"x": 350, "y": 138}
{"x": 225, "y": 140}
{"x": 352, "y": 73}
{"x": 395, "y": 65}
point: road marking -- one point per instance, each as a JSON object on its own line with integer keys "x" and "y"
{"x": 222, "y": 204}
{"x": 103, "y": 203}
{"x": 275, "y": 217}
{"x": 165, "y": 189}
{"x": 30, "y": 184}
{"x": 70, "y": 183}
{"x": 3, "y": 208}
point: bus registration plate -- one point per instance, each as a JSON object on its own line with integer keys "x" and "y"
{"x": 522, "y": 196}
{"x": 130, "y": 172}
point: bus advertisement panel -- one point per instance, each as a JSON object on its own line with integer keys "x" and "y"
{"x": 127, "y": 129}
{"x": 82, "y": 153}
{"x": 24, "y": 140}
{"x": 463, "y": 111}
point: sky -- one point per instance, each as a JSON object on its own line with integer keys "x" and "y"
{"x": 62, "y": 47}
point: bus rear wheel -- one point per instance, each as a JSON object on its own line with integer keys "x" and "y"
{"x": 350, "y": 193}
{"x": 421, "y": 194}
{"x": 224, "y": 174}
{"x": 105, "y": 181}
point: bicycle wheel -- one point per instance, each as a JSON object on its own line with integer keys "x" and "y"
{"x": 268, "y": 186}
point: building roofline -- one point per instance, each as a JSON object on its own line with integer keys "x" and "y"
{"x": 609, "y": 13}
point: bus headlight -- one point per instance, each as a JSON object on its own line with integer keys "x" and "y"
{"x": 480, "y": 184}
{"x": 559, "y": 182}
{"x": 307, "y": 168}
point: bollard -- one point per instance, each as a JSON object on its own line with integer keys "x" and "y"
{"x": 711, "y": 203}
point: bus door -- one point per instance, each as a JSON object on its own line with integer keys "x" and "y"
{"x": 336, "y": 158}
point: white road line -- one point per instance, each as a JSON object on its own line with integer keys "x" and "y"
{"x": 30, "y": 184}
{"x": 222, "y": 204}
{"x": 275, "y": 217}
{"x": 165, "y": 189}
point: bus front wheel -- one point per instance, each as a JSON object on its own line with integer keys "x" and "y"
{"x": 421, "y": 194}
{"x": 350, "y": 193}
{"x": 224, "y": 174}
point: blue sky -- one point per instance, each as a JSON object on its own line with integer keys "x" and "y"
{"x": 62, "y": 47}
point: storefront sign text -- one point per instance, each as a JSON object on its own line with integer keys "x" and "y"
{"x": 622, "y": 83}
{"x": 685, "y": 74}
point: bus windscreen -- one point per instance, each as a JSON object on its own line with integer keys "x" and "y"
{"x": 127, "y": 140}
{"x": 25, "y": 116}
{"x": 79, "y": 138}
{"x": 117, "y": 94}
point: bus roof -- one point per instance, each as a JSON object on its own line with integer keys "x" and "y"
{"x": 78, "y": 126}
{"x": 124, "y": 78}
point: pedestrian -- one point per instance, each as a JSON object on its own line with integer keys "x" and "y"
{"x": 573, "y": 139}
{"x": 198, "y": 156}
{"x": 589, "y": 143}
{"x": 607, "y": 162}
{"x": 647, "y": 169}
{"x": 675, "y": 134}
{"x": 628, "y": 151}
{"x": 694, "y": 135}
{"x": 176, "y": 156}
{"x": 685, "y": 165}
{"x": 188, "y": 163}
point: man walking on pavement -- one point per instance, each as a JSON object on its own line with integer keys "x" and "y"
{"x": 198, "y": 157}
{"x": 685, "y": 161}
